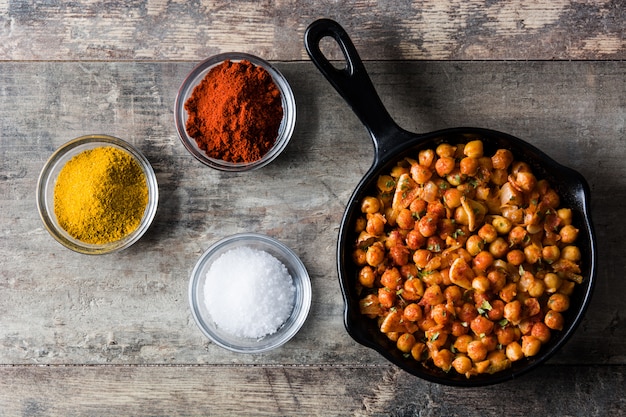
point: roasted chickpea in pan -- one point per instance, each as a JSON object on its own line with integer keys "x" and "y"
{"x": 467, "y": 261}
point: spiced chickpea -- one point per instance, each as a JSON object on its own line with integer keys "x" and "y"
{"x": 421, "y": 257}
{"x": 481, "y": 326}
{"x": 412, "y": 312}
{"x": 508, "y": 292}
{"x": 517, "y": 235}
{"x": 453, "y": 294}
{"x": 386, "y": 297}
{"x": 530, "y": 345}
{"x": 497, "y": 280}
{"x": 483, "y": 260}
{"x": 554, "y": 320}
{"x": 375, "y": 224}
{"x": 502, "y": 159}
{"x": 476, "y": 350}
{"x": 367, "y": 276}
{"x": 462, "y": 342}
{"x": 532, "y": 253}
{"x": 541, "y": 332}
{"x": 441, "y": 314}
{"x": 551, "y": 199}
{"x": 497, "y": 310}
{"x": 405, "y": 342}
{"x": 359, "y": 224}
{"x": 490, "y": 341}
{"x": 391, "y": 279}
{"x": 467, "y": 312}
{"x": 558, "y": 302}
{"x": 514, "y": 352}
{"x": 481, "y": 284}
{"x": 498, "y": 248}
{"x": 567, "y": 287}
{"x": 462, "y": 364}
{"x": 370, "y": 205}
{"x": 375, "y": 254}
{"x": 393, "y": 239}
{"x": 426, "y": 157}
{"x": 469, "y": 166}
{"x": 474, "y": 244}
{"x": 513, "y": 311}
{"x": 408, "y": 271}
{"x": 571, "y": 253}
{"x": 515, "y": 257}
{"x": 405, "y": 219}
{"x": 418, "y": 350}
{"x": 536, "y": 288}
{"x": 473, "y": 149}
{"x": 385, "y": 183}
{"x": 435, "y": 337}
{"x": 399, "y": 255}
{"x": 445, "y": 150}
{"x": 426, "y": 323}
{"x": 452, "y": 198}
{"x": 550, "y": 253}
{"x": 415, "y": 240}
{"x": 359, "y": 256}
{"x": 507, "y": 335}
{"x": 488, "y": 233}
{"x": 552, "y": 282}
{"x": 427, "y": 225}
{"x": 433, "y": 295}
{"x": 420, "y": 173}
{"x": 444, "y": 166}
{"x": 565, "y": 215}
{"x": 418, "y": 206}
{"x": 458, "y": 328}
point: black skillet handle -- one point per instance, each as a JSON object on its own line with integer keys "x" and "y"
{"x": 352, "y": 83}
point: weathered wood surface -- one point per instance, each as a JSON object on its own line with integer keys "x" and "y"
{"x": 301, "y": 391}
{"x": 417, "y": 30}
{"x": 103, "y": 326}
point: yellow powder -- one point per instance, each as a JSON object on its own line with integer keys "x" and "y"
{"x": 100, "y": 195}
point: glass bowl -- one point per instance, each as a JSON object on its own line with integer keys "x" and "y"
{"x": 47, "y": 180}
{"x": 285, "y": 130}
{"x": 287, "y": 330}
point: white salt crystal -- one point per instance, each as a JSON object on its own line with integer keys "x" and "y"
{"x": 248, "y": 292}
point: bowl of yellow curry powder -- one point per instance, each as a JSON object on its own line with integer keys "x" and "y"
{"x": 97, "y": 194}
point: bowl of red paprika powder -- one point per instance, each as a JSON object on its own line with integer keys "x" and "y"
{"x": 235, "y": 112}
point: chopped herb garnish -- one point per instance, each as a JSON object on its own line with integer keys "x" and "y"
{"x": 485, "y": 307}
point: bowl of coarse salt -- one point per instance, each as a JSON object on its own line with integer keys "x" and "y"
{"x": 249, "y": 293}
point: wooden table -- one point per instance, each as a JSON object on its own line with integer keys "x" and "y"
{"x": 113, "y": 335}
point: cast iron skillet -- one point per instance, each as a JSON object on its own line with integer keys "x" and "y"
{"x": 391, "y": 144}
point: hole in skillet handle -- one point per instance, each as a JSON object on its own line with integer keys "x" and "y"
{"x": 355, "y": 86}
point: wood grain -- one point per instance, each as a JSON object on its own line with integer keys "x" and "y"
{"x": 59, "y": 307}
{"x": 158, "y": 30}
{"x": 31, "y": 391}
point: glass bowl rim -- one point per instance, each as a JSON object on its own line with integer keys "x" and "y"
{"x": 57, "y": 161}
{"x": 301, "y": 280}
{"x": 193, "y": 78}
